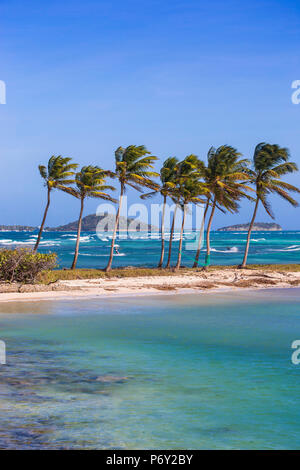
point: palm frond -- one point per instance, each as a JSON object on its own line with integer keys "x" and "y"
{"x": 284, "y": 195}
{"x": 284, "y": 185}
{"x": 267, "y": 206}
{"x": 43, "y": 171}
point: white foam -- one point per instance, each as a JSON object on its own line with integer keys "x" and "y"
{"x": 29, "y": 242}
{"x": 84, "y": 238}
{"x": 234, "y": 249}
{"x": 287, "y": 249}
{"x": 90, "y": 254}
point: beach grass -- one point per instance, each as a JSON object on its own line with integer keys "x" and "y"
{"x": 68, "y": 274}
{"x": 49, "y": 277}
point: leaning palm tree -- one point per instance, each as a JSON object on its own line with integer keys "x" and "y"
{"x": 167, "y": 177}
{"x": 201, "y": 171}
{"x": 89, "y": 182}
{"x": 270, "y": 163}
{"x": 184, "y": 170}
{"x": 201, "y": 230}
{"x": 134, "y": 168}
{"x": 225, "y": 177}
{"x": 177, "y": 205}
{"x": 188, "y": 188}
{"x": 57, "y": 175}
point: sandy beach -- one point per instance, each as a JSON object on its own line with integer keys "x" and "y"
{"x": 229, "y": 279}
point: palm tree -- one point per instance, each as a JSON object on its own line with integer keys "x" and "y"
{"x": 225, "y": 177}
{"x": 90, "y": 182}
{"x": 270, "y": 163}
{"x": 134, "y": 166}
{"x": 202, "y": 171}
{"x": 167, "y": 176}
{"x": 195, "y": 265}
{"x": 57, "y": 175}
{"x": 176, "y": 202}
{"x": 189, "y": 189}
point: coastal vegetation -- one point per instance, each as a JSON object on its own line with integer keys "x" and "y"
{"x": 270, "y": 163}
{"x": 57, "y": 175}
{"x": 24, "y": 265}
{"x": 219, "y": 184}
{"x": 225, "y": 177}
{"x": 89, "y": 182}
{"x": 166, "y": 189}
{"x": 189, "y": 189}
{"x": 134, "y": 168}
{"x": 52, "y": 276}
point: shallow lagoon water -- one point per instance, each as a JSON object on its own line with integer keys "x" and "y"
{"x": 205, "y": 371}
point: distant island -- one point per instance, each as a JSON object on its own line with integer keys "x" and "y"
{"x": 17, "y": 228}
{"x": 89, "y": 224}
{"x": 258, "y": 226}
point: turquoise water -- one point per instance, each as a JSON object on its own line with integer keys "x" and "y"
{"x": 208, "y": 371}
{"x": 227, "y": 248}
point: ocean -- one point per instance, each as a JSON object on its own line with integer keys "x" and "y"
{"x": 227, "y": 248}
{"x": 209, "y": 371}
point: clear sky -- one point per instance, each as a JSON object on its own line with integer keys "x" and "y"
{"x": 178, "y": 76}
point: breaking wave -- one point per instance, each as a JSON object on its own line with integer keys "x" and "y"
{"x": 288, "y": 248}
{"x": 234, "y": 249}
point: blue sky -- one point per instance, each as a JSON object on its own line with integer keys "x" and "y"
{"x": 177, "y": 76}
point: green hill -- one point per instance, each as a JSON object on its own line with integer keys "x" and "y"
{"x": 258, "y": 226}
{"x": 90, "y": 222}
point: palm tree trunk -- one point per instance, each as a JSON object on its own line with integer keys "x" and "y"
{"x": 207, "y": 258}
{"x": 162, "y": 231}
{"x": 78, "y": 235}
{"x": 171, "y": 238}
{"x": 243, "y": 265}
{"x": 195, "y": 265}
{"x": 43, "y": 222}
{"x": 108, "y": 267}
{"x": 180, "y": 241}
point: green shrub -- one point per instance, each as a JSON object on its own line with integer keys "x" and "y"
{"x": 24, "y": 265}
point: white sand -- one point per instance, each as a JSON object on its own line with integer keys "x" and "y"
{"x": 229, "y": 279}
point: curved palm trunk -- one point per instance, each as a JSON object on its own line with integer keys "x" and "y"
{"x": 243, "y": 265}
{"x": 171, "y": 237}
{"x": 195, "y": 265}
{"x": 43, "y": 222}
{"x": 180, "y": 240}
{"x": 162, "y": 232}
{"x": 207, "y": 257}
{"x": 78, "y": 235}
{"x": 108, "y": 267}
